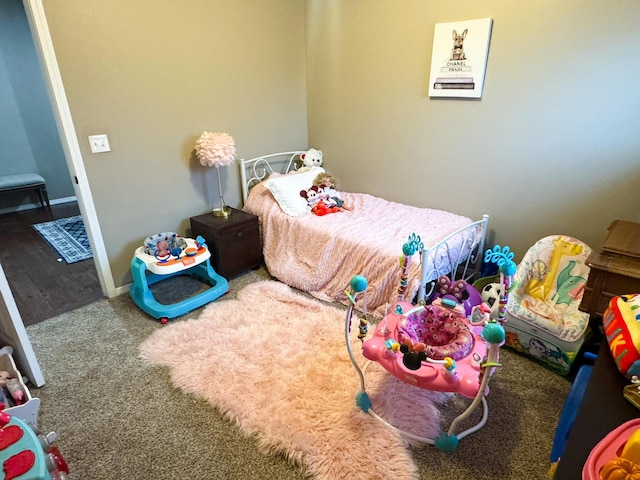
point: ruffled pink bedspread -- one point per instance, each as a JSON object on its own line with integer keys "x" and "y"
{"x": 320, "y": 254}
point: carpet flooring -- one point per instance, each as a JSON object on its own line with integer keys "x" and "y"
{"x": 119, "y": 417}
{"x": 288, "y": 380}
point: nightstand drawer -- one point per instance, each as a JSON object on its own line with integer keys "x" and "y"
{"x": 241, "y": 233}
{"x": 234, "y": 241}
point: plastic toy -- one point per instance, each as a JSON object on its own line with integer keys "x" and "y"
{"x": 570, "y": 410}
{"x": 27, "y": 407}
{"x": 434, "y": 346}
{"x": 503, "y": 258}
{"x": 622, "y": 329}
{"x": 491, "y": 295}
{"x": 165, "y": 255}
{"x": 616, "y": 456}
{"x": 26, "y": 455}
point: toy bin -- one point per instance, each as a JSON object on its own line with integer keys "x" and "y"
{"x": 17, "y": 398}
{"x": 549, "y": 350}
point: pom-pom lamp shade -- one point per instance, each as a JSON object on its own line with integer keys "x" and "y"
{"x": 215, "y": 149}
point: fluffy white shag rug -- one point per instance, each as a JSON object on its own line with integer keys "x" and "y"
{"x": 275, "y": 363}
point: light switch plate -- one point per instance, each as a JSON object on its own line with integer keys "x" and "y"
{"x": 99, "y": 143}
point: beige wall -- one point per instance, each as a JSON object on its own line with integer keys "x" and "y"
{"x": 552, "y": 147}
{"x": 153, "y": 75}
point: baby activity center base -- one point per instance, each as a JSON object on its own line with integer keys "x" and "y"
{"x": 167, "y": 255}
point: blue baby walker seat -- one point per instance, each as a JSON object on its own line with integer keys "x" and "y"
{"x": 165, "y": 255}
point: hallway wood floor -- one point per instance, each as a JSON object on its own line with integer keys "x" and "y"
{"x": 43, "y": 286}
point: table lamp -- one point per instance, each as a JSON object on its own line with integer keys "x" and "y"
{"x": 215, "y": 149}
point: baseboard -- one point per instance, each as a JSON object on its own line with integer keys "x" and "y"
{"x": 121, "y": 290}
{"x": 32, "y": 206}
{"x": 58, "y": 201}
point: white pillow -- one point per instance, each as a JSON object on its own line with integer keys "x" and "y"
{"x": 286, "y": 190}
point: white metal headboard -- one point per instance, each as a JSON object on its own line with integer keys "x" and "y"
{"x": 256, "y": 169}
{"x": 459, "y": 255}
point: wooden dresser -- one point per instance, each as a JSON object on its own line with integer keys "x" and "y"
{"x": 615, "y": 268}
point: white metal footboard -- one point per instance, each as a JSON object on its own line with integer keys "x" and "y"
{"x": 257, "y": 169}
{"x": 459, "y": 256}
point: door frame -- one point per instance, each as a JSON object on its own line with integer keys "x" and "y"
{"x": 62, "y": 114}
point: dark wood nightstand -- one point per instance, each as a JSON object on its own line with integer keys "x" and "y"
{"x": 234, "y": 242}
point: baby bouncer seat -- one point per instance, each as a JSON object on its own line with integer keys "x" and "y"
{"x": 165, "y": 255}
{"x": 435, "y": 346}
{"x": 543, "y": 320}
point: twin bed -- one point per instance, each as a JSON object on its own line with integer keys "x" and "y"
{"x": 320, "y": 254}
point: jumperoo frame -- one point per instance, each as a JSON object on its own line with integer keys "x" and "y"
{"x": 492, "y": 332}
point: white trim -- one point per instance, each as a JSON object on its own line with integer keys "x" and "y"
{"x": 42, "y": 40}
{"x": 12, "y": 328}
{"x": 33, "y": 206}
{"x": 58, "y": 201}
{"x": 122, "y": 290}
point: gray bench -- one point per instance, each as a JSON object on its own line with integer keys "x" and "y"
{"x": 25, "y": 181}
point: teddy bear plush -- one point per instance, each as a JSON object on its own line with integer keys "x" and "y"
{"x": 310, "y": 158}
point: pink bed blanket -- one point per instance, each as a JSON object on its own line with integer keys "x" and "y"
{"x": 320, "y": 254}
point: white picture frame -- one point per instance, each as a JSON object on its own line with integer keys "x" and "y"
{"x": 459, "y": 58}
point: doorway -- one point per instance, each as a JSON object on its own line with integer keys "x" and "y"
{"x": 42, "y": 285}
{"x": 34, "y": 12}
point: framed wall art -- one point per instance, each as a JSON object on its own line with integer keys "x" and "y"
{"x": 459, "y": 58}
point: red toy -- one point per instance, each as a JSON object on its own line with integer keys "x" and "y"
{"x": 621, "y": 327}
{"x": 26, "y": 455}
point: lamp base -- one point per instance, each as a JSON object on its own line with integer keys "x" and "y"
{"x": 224, "y": 212}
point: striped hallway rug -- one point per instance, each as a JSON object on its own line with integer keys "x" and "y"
{"x": 67, "y": 236}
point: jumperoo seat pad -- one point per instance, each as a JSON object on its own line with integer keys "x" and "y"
{"x": 441, "y": 330}
{"x": 550, "y": 282}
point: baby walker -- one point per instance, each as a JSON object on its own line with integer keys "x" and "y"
{"x": 435, "y": 346}
{"x": 165, "y": 255}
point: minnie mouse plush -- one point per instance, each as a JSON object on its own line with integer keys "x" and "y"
{"x": 318, "y": 201}
{"x": 459, "y": 291}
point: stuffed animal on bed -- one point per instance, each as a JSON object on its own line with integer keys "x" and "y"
{"x": 327, "y": 179}
{"x": 319, "y": 202}
{"x": 310, "y": 158}
{"x": 327, "y": 183}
